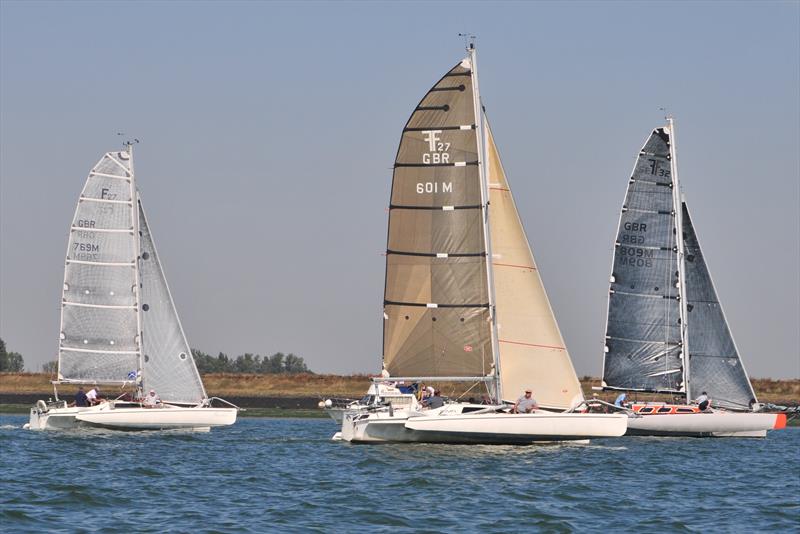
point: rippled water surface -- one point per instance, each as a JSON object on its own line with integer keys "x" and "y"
{"x": 286, "y": 474}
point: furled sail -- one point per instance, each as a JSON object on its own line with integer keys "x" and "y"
{"x": 436, "y": 298}
{"x": 99, "y": 329}
{"x": 714, "y": 363}
{"x": 532, "y": 351}
{"x": 167, "y": 364}
{"x": 643, "y": 338}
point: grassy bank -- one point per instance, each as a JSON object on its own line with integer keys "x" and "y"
{"x": 786, "y": 392}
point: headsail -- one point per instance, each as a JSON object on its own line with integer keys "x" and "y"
{"x": 436, "y": 298}
{"x": 532, "y": 351}
{"x": 99, "y": 341}
{"x": 168, "y": 365}
{"x": 643, "y": 337}
{"x": 715, "y": 364}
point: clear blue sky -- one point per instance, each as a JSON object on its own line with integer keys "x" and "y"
{"x": 269, "y": 131}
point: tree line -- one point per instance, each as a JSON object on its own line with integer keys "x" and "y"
{"x": 278, "y": 363}
{"x": 10, "y": 362}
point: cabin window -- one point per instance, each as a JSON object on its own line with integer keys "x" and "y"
{"x": 646, "y": 410}
{"x": 685, "y": 410}
{"x": 664, "y": 410}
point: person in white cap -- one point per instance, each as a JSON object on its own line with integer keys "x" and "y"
{"x": 526, "y": 403}
{"x": 151, "y": 400}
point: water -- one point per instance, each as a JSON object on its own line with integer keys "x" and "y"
{"x": 270, "y": 474}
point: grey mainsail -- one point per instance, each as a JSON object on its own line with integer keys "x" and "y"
{"x": 436, "y": 297}
{"x": 643, "y": 335}
{"x": 167, "y": 362}
{"x": 99, "y": 322}
{"x": 715, "y": 366}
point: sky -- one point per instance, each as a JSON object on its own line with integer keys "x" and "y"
{"x": 268, "y": 131}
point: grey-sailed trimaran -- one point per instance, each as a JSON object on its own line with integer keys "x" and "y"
{"x": 666, "y": 332}
{"x": 119, "y": 326}
{"x": 463, "y": 299}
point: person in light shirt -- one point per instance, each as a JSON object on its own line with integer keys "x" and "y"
{"x": 151, "y": 400}
{"x": 94, "y": 396}
{"x": 526, "y": 403}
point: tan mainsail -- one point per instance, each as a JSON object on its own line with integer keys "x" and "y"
{"x": 532, "y": 351}
{"x": 436, "y": 299}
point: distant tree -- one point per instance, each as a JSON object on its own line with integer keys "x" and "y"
{"x": 10, "y": 362}
{"x": 247, "y": 363}
{"x": 275, "y": 363}
{"x": 294, "y": 364}
{"x": 50, "y": 367}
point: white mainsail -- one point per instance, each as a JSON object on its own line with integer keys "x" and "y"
{"x": 99, "y": 340}
{"x": 532, "y": 352}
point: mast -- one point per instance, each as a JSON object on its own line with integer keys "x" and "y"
{"x": 482, "y": 172}
{"x": 137, "y": 254}
{"x": 678, "y": 210}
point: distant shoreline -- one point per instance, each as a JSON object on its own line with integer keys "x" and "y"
{"x": 304, "y": 391}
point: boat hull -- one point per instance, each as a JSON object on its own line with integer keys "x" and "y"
{"x": 706, "y": 424}
{"x": 132, "y": 418}
{"x": 490, "y": 428}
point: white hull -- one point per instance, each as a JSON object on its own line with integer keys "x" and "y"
{"x": 706, "y": 424}
{"x": 487, "y": 428}
{"x": 105, "y": 415}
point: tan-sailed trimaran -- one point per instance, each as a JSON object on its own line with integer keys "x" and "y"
{"x": 463, "y": 299}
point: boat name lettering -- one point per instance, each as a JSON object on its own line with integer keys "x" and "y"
{"x": 437, "y": 149}
{"x": 657, "y": 170}
{"x": 85, "y": 247}
{"x": 632, "y": 239}
{"x": 434, "y": 187}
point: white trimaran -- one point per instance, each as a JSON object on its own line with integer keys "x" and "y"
{"x": 119, "y": 326}
{"x": 463, "y": 299}
{"x": 666, "y": 332}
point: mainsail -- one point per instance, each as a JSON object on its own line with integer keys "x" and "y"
{"x": 532, "y": 351}
{"x": 167, "y": 362}
{"x": 99, "y": 320}
{"x": 436, "y": 298}
{"x": 715, "y": 364}
{"x": 643, "y": 333}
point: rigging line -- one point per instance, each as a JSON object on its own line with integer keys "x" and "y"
{"x": 531, "y": 344}
{"x": 515, "y": 266}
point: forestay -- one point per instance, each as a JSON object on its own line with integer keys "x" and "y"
{"x": 715, "y": 364}
{"x": 532, "y": 351}
{"x": 167, "y": 363}
{"x": 99, "y": 340}
{"x": 643, "y": 338}
{"x": 436, "y": 298}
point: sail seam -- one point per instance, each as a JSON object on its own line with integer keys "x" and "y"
{"x": 666, "y": 343}
{"x": 109, "y": 230}
{"x": 454, "y": 164}
{"x": 444, "y": 208}
{"x": 108, "y": 306}
{"x": 465, "y": 127}
{"x": 432, "y": 305}
{"x": 531, "y": 344}
{"x": 104, "y": 175}
{"x": 89, "y": 199}
{"x": 643, "y": 295}
{"x": 437, "y": 254}
{"x": 103, "y": 263}
{"x": 95, "y": 351}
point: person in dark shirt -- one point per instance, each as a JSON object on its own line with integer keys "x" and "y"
{"x": 80, "y": 398}
{"x": 436, "y": 401}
